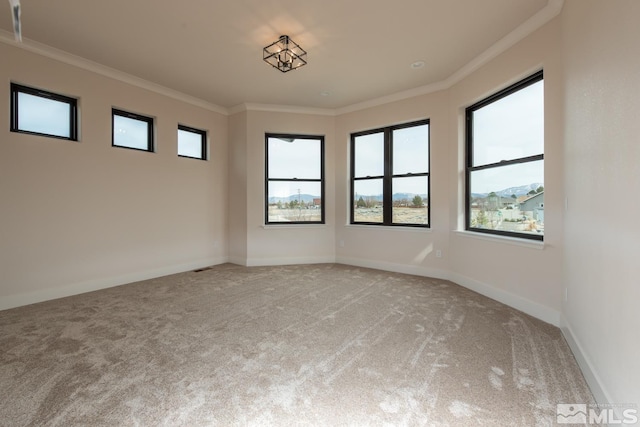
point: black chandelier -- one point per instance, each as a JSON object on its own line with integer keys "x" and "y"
{"x": 285, "y": 54}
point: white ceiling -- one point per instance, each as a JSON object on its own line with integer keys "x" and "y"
{"x": 358, "y": 50}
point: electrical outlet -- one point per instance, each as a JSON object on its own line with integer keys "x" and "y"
{"x": 438, "y": 253}
{"x": 341, "y": 243}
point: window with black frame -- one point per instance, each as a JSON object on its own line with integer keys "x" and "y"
{"x": 192, "y": 142}
{"x": 390, "y": 176}
{"x": 44, "y": 113}
{"x": 294, "y": 179}
{"x": 131, "y": 130}
{"x": 505, "y": 161}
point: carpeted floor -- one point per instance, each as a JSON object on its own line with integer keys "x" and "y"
{"x": 288, "y": 345}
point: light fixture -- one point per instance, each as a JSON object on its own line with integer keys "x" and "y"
{"x": 285, "y": 54}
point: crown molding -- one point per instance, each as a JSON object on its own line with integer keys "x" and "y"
{"x": 275, "y": 108}
{"x": 77, "y": 61}
{"x": 550, "y": 11}
{"x": 546, "y": 14}
{"x": 399, "y": 96}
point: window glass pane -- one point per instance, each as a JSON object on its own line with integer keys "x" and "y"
{"x": 410, "y": 200}
{"x": 369, "y": 155}
{"x": 297, "y": 158}
{"x": 411, "y": 150}
{"x": 42, "y": 115}
{"x": 509, "y": 198}
{"x": 367, "y": 202}
{"x": 510, "y": 128}
{"x": 294, "y": 201}
{"x": 190, "y": 144}
{"x": 131, "y": 133}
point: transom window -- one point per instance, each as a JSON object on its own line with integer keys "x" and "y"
{"x": 132, "y": 130}
{"x": 39, "y": 112}
{"x": 505, "y": 161}
{"x": 390, "y": 175}
{"x": 294, "y": 179}
{"x": 192, "y": 142}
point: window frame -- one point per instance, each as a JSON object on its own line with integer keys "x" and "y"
{"x": 15, "y": 91}
{"x": 388, "y": 176}
{"x": 470, "y": 168}
{"x": 267, "y": 179}
{"x": 129, "y": 115}
{"x": 203, "y": 141}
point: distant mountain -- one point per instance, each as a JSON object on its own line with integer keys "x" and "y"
{"x": 507, "y": 192}
{"x": 307, "y": 198}
{"x": 396, "y": 196}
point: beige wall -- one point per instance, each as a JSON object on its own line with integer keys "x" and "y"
{"x": 237, "y": 200}
{"x": 601, "y": 227}
{"x": 82, "y": 215}
{"x": 527, "y": 276}
{"x": 393, "y": 248}
{"x": 281, "y": 244}
{"x": 79, "y": 216}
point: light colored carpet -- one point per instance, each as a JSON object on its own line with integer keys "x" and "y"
{"x": 288, "y": 345}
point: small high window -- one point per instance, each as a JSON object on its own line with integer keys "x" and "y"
{"x": 132, "y": 130}
{"x": 390, "y": 176}
{"x": 39, "y": 112}
{"x": 192, "y": 142}
{"x": 294, "y": 182}
{"x": 505, "y": 161}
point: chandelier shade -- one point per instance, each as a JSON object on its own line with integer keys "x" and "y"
{"x": 285, "y": 55}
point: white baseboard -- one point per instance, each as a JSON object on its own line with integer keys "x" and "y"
{"x": 261, "y": 262}
{"x": 534, "y": 309}
{"x": 539, "y": 311}
{"x": 19, "y": 300}
{"x": 416, "y": 270}
{"x": 587, "y": 368}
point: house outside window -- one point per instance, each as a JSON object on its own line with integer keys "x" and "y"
{"x": 390, "y": 178}
{"x": 294, "y": 179}
{"x": 505, "y": 161}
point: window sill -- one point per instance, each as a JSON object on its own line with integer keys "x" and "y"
{"x": 533, "y": 244}
{"x": 389, "y": 228}
{"x": 298, "y": 226}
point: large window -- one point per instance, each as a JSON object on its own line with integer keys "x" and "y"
{"x": 39, "y": 112}
{"x": 505, "y": 161}
{"x": 294, "y": 179}
{"x": 192, "y": 142}
{"x": 390, "y": 175}
{"x": 132, "y": 130}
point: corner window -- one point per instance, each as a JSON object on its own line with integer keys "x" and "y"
{"x": 39, "y": 112}
{"x": 192, "y": 142}
{"x": 390, "y": 176}
{"x": 505, "y": 161}
{"x": 131, "y": 130}
{"x": 294, "y": 181}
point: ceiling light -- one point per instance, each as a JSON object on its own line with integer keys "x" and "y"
{"x": 284, "y": 54}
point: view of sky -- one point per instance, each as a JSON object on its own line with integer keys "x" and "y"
{"x": 510, "y": 128}
{"x": 129, "y": 132}
{"x": 410, "y": 155}
{"x": 38, "y": 114}
{"x": 189, "y": 144}
{"x": 299, "y": 159}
